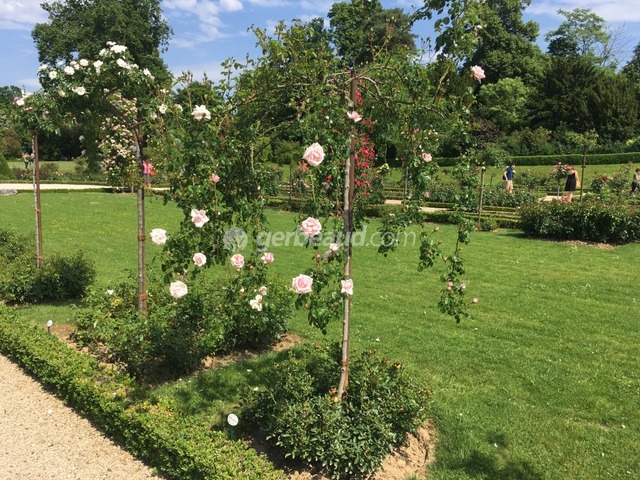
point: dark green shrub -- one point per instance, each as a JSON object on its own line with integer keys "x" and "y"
{"x": 287, "y": 152}
{"x": 61, "y": 277}
{"x": 300, "y": 414}
{"x": 246, "y": 326}
{"x": 5, "y": 171}
{"x": 174, "y": 335}
{"x": 488, "y": 224}
{"x": 590, "y": 220}
{"x": 177, "y": 334}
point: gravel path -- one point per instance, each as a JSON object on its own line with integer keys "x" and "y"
{"x": 42, "y": 439}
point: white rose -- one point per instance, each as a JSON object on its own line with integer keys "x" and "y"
{"x": 201, "y": 113}
{"x": 158, "y": 236}
{"x": 178, "y": 289}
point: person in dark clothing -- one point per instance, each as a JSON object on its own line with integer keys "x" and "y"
{"x": 571, "y": 183}
{"x": 507, "y": 176}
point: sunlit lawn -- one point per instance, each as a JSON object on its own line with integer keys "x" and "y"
{"x": 542, "y": 383}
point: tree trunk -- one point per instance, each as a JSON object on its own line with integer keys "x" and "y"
{"x": 142, "y": 236}
{"x": 349, "y": 172}
{"x": 36, "y": 194}
{"x": 482, "y": 171}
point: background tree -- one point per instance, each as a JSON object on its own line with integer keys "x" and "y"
{"x": 11, "y": 142}
{"x": 507, "y": 47}
{"x": 583, "y": 34}
{"x": 81, "y": 28}
{"x": 505, "y": 103}
{"x": 576, "y": 95}
{"x": 361, "y": 28}
{"x": 632, "y": 69}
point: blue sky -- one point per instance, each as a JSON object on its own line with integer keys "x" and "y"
{"x": 208, "y": 31}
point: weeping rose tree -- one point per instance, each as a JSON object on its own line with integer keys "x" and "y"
{"x": 298, "y": 89}
{"x": 109, "y": 86}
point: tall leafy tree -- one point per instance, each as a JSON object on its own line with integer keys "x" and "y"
{"x": 579, "y": 96}
{"x": 507, "y": 46}
{"x": 505, "y": 103}
{"x": 82, "y": 28}
{"x": 584, "y": 34}
{"x": 361, "y": 28}
{"x": 632, "y": 68}
{"x": 85, "y": 26}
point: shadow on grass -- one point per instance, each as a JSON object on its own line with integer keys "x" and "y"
{"x": 481, "y": 465}
{"x": 224, "y": 385}
{"x": 489, "y": 465}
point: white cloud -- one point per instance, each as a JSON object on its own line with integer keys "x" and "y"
{"x": 213, "y": 71}
{"x": 21, "y": 14}
{"x": 320, "y": 6}
{"x": 270, "y": 3}
{"x": 231, "y": 5}
{"x": 618, "y": 11}
{"x": 30, "y": 84}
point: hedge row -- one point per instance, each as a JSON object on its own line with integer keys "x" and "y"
{"x": 593, "y": 221}
{"x": 178, "y": 446}
{"x": 573, "y": 159}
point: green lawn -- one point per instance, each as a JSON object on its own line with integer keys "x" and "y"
{"x": 63, "y": 167}
{"x": 542, "y": 383}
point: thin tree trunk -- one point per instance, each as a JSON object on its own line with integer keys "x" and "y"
{"x": 142, "y": 237}
{"x": 37, "y": 202}
{"x": 349, "y": 172}
{"x": 584, "y": 165}
{"x": 482, "y": 171}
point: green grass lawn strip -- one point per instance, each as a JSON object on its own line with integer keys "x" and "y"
{"x": 542, "y": 382}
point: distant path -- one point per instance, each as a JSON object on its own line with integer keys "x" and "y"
{"x": 42, "y": 439}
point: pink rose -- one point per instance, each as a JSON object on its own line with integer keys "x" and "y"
{"x": 199, "y": 217}
{"x": 314, "y": 154}
{"x": 475, "y": 300}
{"x": 478, "y": 72}
{"x": 427, "y": 157}
{"x": 178, "y": 289}
{"x": 237, "y": 261}
{"x": 302, "y": 284}
{"x": 215, "y": 178}
{"x": 334, "y": 247}
{"x": 267, "y": 257}
{"x": 158, "y": 236}
{"x": 311, "y": 227}
{"x": 347, "y": 286}
{"x": 427, "y": 194}
{"x": 355, "y": 116}
{"x": 199, "y": 259}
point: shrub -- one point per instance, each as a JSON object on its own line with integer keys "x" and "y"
{"x": 61, "y": 277}
{"x": 246, "y": 326}
{"x": 591, "y": 220}
{"x": 173, "y": 335}
{"x": 300, "y": 414}
{"x": 176, "y": 335}
{"x": 5, "y": 171}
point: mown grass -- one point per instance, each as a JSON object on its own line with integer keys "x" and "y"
{"x": 542, "y": 383}
{"x": 63, "y": 167}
